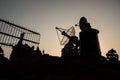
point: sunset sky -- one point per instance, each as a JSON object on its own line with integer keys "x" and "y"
{"x": 44, "y": 15}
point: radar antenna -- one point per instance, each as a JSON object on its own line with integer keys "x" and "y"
{"x": 65, "y": 38}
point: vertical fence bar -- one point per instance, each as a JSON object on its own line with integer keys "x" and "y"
{"x": 0, "y": 25}
{"x": 1, "y": 28}
{"x": 27, "y": 37}
{"x": 4, "y": 28}
{"x": 10, "y": 34}
{"x": 39, "y": 38}
{"x": 9, "y": 29}
{"x": 5, "y": 32}
{"x": 15, "y": 34}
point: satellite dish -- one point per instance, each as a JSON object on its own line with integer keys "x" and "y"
{"x": 62, "y": 38}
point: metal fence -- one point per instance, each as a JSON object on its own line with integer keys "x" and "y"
{"x": 10, "y": 34}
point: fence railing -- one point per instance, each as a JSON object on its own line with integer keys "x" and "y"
{"x": 10, "y": 34}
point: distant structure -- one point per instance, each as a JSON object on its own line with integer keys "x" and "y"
{"x": 89, "y": 43}
{"x": 70, "y": 50}
{"x": 11, "y": 34}
{"x": 112, "y": 55}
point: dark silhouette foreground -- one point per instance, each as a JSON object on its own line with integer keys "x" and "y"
{"x": 28, "y": 64}
{"x": 79, "y": 60}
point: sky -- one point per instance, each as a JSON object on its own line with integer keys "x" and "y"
{"x": 44, "y": 15}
